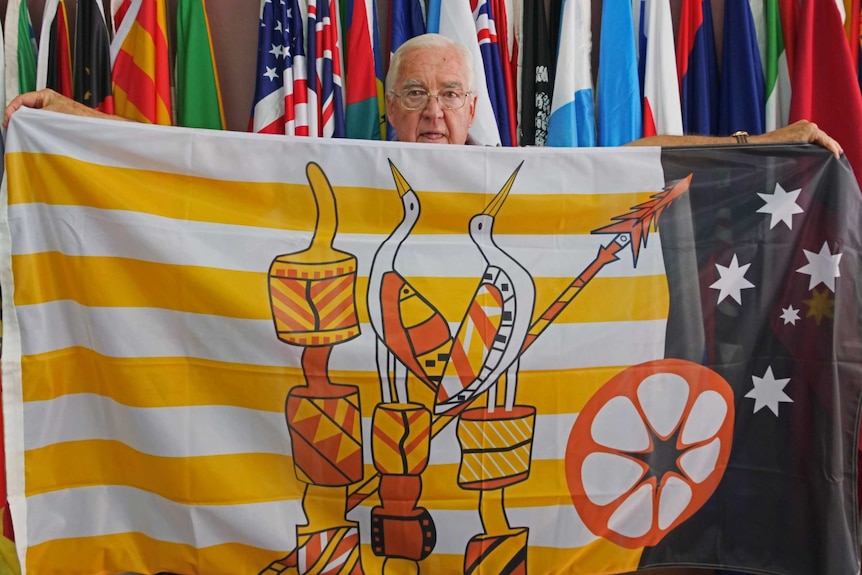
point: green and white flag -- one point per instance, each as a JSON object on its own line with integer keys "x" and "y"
{"x": 20, "y": 50}
{"x": 770, "y": 41}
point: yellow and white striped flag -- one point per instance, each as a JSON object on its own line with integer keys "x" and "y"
{"x": 153, "y": 301}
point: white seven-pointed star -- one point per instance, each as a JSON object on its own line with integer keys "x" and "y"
{"x": 790, "y": 315}
{"x": 768, "y": 392}
{"x": 822, "y": 267}
{"x": 732, "y": 281}
{"x": 782, "y": 205}
{"x": 271, "y": 73}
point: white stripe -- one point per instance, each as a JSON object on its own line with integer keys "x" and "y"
{"x": 111, "y": 510}
{"x": 40, "y": 228}
{"x": 11, "y": 49}
{"x": 199, "y": 431}
{"x": 108, "y": 510}
{"x": 125, "y": 27}
{"x": 149, "y": 332}
{"x": 267, "y": 159}
{"x": 165, "y": 431}
{"x": 49, "y": 15}
{"x": 268, "y": 109}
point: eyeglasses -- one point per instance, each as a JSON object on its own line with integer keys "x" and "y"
{"x": 417, "y": 98}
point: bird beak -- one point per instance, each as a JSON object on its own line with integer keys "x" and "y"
{"x": 401, "y": 184}
{"x": 495, "y": 204}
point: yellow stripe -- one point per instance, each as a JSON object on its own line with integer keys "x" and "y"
{"x": 122, "y": 282}
{"x": 137, "y": 553}
{"x": 204, "y": 480}
{"x": 63, "y": 180}
{"x": 152, "y": 382}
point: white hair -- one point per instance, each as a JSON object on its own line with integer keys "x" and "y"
{"x": 428, "y": 41}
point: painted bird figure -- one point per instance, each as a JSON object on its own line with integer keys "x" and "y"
{"x": 490, "y": 337}
{"x": 411, "y": 334}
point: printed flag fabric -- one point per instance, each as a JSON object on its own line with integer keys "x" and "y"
{"x": 453, "y": 19}
{"x": 281, "y": 88}
{"x": 364, "y": 90}
{"x": 697, "y": 68}
{"x": 741, "y": 103}
{"x": 93, "y": 57}
{"x": 140, "y": 72}
{"x": 325, "y": 87}
{"x": 19, "y": 50}
{"x": 657, "y": 68}
{"x": 573, "y": 118}
{"x": 406, "y": 20}
{"x": 199, "y": 103}
{"x": 54, "y": 66}
{"x": 824, "y": 87}
{"x": 537, "y": 76}
{"x": 619, "y": 120}
{"x": 486, "y": 32}
{"x": 367, "y": 357}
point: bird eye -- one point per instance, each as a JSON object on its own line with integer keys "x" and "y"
{"x": 480, "y": 225}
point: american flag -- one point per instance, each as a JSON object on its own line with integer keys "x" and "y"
{"x": 281, "y": 89}
{"x": 486, "y": 32}
{"x": 325, "y": 92}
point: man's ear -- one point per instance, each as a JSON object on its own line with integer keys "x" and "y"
{"x": 473, "y": 110}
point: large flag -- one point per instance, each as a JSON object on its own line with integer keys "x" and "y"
{"x": 657, "y": 68}
{"x": 741, "y": 99}
{"x": 19, "y": 50}
{"x": 573, "y": 120}
{"x": 852, "y": 28}
{"x": 281, "y": 87}
{"x": 537, "y": 76}
{"x": 453, "y": 19}
{"x": 618, "y": 102}
{"x": 199, "y": 102}
{"x": 825, "y": 90}
{"x": 486, "y": 32}
{"x": 697, "y": 68}
{"x": 93, "y": 85}
{"x": 681, "y": 343}
{"x": 406, "y": 20}
{"x": 770, "y": 40}
{"x": 54, "y": 66}
{"x": 140, "y": 59}
{"x": 325, "y": 87}
{"x": 363, "y": 86}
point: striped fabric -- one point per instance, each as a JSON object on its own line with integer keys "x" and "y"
{"x": 140, "y": 64}
{"x": 149, "y": 383}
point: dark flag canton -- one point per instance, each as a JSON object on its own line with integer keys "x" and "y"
{"x": 770, "y": 300}
{"x": 92, "y": 66}
{"x": 59, "y": 71}
{"x": 537, "y": 86}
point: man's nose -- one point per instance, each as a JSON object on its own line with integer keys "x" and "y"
{"x": 433, "y": 107}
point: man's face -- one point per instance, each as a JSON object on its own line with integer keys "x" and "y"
{"x": 432, "y": 69}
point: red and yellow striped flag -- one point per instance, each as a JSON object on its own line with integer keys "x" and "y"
{"x": 141, "y": 73}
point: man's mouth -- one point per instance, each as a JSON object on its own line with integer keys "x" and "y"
{"x": 432, "y": 136}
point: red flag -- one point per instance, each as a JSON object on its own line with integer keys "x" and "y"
{"x": 54, "y": 66}
{"x": 825, "y": 88}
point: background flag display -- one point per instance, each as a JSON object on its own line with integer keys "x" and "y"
{"x": 619, "y": 116}
{"x": 680, "y": 332}
{"x": 325, "y": 87}
{"x": 572, "y": 112}
{"x": 93, "y": 57}
{"x": 19, "y": 50}
{"x": 406, "y": 20}
{"x": 198, "y": 92}
{"x": 741, "y": 95}
{"x": 486, "y": 31}
{"x": 363, "y": 89}
{"x": 281, "y": 89}
{"x": 54, "y": 68}
{"x": 657, "y": 69}
{"x": 697, "y": 68}
{"x": 141, "y": 73}
{"x": 770, "y": 39}
{"x": 537, "y": 76}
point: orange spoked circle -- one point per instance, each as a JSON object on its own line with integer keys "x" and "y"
{"x": 649, "y": 449}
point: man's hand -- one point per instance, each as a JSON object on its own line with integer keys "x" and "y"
{"x": 48, "y": 99}
{"x": 801, "y": 131}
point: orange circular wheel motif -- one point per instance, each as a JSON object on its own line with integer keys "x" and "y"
{"x": 648, "y": 450}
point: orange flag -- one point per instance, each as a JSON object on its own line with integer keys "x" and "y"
{"x": 140, "y": 64}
